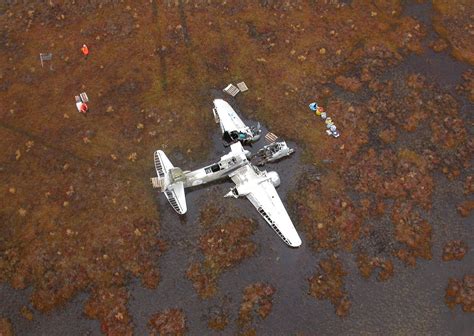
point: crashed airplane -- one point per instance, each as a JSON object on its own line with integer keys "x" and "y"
{"x": 258, "y": 186}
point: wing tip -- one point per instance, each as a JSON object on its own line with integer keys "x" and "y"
{"x": 296, "y": 243}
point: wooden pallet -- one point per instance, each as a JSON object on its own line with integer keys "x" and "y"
{"x": 270, "y": 137}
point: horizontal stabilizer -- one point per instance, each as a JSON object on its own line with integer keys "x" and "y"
{"x": 169, "y": 180}
{"x": 175, "y": 195}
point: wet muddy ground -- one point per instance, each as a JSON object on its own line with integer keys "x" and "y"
{"x": 384, "y": 212}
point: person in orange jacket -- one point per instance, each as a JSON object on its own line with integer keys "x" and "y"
{"x": 85, "y": 50}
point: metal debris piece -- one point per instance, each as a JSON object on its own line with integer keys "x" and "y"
{"x": 270, "y": 137}
{"x": 231, "y": 89}
{"x": 46, "y": 57}
{"x": 84, "y": 97}
{"x": 242, "y": 86}
{"x": 272, "y": 152}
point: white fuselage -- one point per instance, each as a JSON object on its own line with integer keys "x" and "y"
{"x": 226, "y": 165}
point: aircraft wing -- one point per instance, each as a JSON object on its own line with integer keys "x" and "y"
{"x": 228, "y": 119}
{"x": 260, "y": 191}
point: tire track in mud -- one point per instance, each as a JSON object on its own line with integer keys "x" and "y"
{"x": 160, "y": 49}
{"x": 186, "y": 37}
{"x": 184, "y": 24}
{"x": 154, "y": 11}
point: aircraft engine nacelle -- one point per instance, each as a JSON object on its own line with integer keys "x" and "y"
{"x": 273, "y": 175}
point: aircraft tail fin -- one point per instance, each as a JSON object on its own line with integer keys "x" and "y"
{"x": 170, "y": 180}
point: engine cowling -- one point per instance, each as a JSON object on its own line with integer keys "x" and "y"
{"x": 275, "y": 178}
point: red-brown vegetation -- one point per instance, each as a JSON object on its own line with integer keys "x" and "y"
{"x": 413, "y": 231}
{"x": 469, "y": 185}
{"x": 467, "y": 84}
{"x": 6, "y": 328}
{"x": 368, "y": 265}
{"x": 439, "y": 45}
{"x": 453, "y": 20}
{"x": 257, "y": 299}
{"x": 218, "y": 322}
{"x": 225, "y": 243}
{"x": 328, "y": 284}
{"x": 465, "y": 208}
{"x": 169, "y": 322}
{"x": 461, "y": 292}
{"x": 110, "y": 307}
{"x": 348, "y": 83}
{"x": 454, "y": 250}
